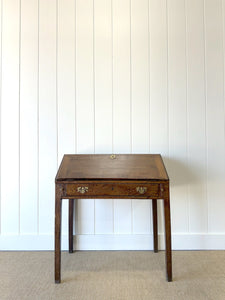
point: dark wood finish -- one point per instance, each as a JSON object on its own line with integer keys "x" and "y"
{"x": 113, "y": 189}
{"x": 168, "y": 237}
{"x": 58, "y": 212}
{"x": 71, "y": 204}
{"x": 124, "y": 176}
{"x": 155, "y": 224}
{"x": 101, "y": 166}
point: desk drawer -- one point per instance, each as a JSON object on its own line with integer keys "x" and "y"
{"x": 133, "y": 190}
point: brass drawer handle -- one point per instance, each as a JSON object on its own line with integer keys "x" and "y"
{"x": 141, "y": 189}
{"x": 82, "y": 189}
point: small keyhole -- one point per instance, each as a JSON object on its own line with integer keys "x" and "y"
{"x": 112, "y": 188}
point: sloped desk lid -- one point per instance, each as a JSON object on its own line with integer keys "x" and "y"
{"x": 112, "y": 167}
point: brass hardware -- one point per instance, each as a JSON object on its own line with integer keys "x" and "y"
{"x": 113, "y": 156}
{"x": 141, "y": 189}
{"x": 82, "y": 189}
{"x": 161, "y": 190}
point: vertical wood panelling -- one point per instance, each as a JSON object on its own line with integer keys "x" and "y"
{"x": 112, "y": 76}
{"x": 121, "y": 101}
{"x": 177, "y": 93}
{"x": 158, "y": 84}
{"x": 28, "y": 117}
{"x": 103, "y": 101}
{"x": 84, "y": 77}
{"x": 215, "y": 115}
{"x": 140, "y": 76}
{"x": 121, "y": 76}
{"x": 104, "y": 216}
{"x": 141, "y": 216}
{"x": 122, "y": 216}
{"x": 103, "y": 75}
{"x": 84, "y": 103}
{"x": 66, "y": 77}
{"x": 66, "y": 85}
{"x": 84, "y": 216}
{"x": 223, "y": 18}
{"x": 196, "y": 137}
{"x": 140, "y": 99}
{"x": 0, "y": 100}
{"x": 10, "y": 117}
{"x": 47, "y": 114}
{"x": 223, "y": 40}
{"x": 158, "y": 77}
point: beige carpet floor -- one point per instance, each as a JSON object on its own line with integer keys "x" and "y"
{"x": 107, "y": 275}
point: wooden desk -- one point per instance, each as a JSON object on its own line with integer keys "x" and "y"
{"x": 122, "y": 176}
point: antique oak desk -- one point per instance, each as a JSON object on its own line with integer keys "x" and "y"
{"x": 122, "y": 176}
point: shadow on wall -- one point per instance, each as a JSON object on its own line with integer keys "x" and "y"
{"x": 183, "y": 173}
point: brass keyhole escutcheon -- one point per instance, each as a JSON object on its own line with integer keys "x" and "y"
{"x": 141, "y": 189}
{"x": 82, "y": 189}
{"x": 113, "y": 156}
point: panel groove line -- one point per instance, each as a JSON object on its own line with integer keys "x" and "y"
{"x": 215, "y": 115}
{"x": 28, "y": 116}
{"x": 103, "y": 102}
{"x": 75, "y": 74}
{"x": 223, "y": 25}
{"x": 57, "y": 82}
{"x": 112, "y": 109}
{"x": 149, "y": 94}
{"x": 121, "y": 102}
{"x": 85, "y": 102}
{"x": 131, "y": 131}
{"x": 178, "y": 168}
{"x": 140, "y": 100}
{"x": 195, "y": 118}
{"x": 149, "y": 75}
{"x": 167, "y": 78}
{"x": 187, "y": 110}
{"x": 93, "y": 9}
{"x": 47, "y": 114}
{"x": 0, "y": 107}
{"x": 38, "y": 146}
{"x": 65, "y": 73}
{"x": 206, "y": 101}
{"x": 112, "y": 67}
{"x": 158, "y": 87}
{"x": 10, "y": 117}
{"x": 19, "y": 123}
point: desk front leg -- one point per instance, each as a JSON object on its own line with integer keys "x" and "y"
{"x": 71, "y": 207}
{"x": 168, "y": 237}
{"x": 155, "y": 224}
{"x": 58, "y": 213}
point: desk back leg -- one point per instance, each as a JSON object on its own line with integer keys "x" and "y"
{"x": 155, "y": 224}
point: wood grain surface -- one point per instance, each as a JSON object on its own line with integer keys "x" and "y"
{"x": 102, "y": 166}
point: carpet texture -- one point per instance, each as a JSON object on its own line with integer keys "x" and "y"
{"x": 107, "y": 275}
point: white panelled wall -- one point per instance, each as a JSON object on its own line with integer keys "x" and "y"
{"x": 112, "y": 76}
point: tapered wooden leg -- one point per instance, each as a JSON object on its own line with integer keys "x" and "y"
{"x": 58, "y": 212}
{"x": 71, "y": 204}
{"x": 168, "y": 238}
{"x": 155, "y": 225}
